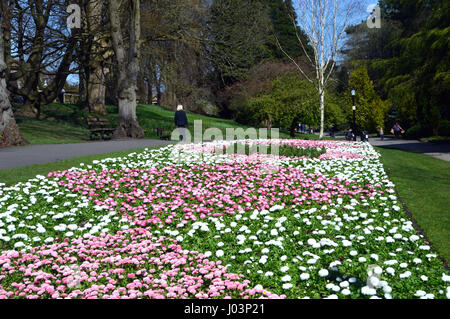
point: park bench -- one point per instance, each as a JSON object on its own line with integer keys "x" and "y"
{"x": 100, "y": 127}
{"x": 160, "y": 134}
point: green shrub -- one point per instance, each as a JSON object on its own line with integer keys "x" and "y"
{"x": 444, "y": 128}
{"x": 415, "y": 131}
{"x": 284, "y": 150}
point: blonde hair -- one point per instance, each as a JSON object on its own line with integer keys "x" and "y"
{"x": 179, "y": 107}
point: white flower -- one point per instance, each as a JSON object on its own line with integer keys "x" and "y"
{"x": 208, "y": 254}
{"x": 368, "y": 291}
{"x": 304, "y": 276}
{"x": 390, "y": 270}
{"x": 287, "y": 286}
{"x": 346, "y": 292}
{"x": 445, "y": 278}
{"x": 420, "y": 293}
{"x": 286, "y": 278}
{"x": 19, "y": 244}
{"x": 406, "y": 274}
{"x": 374, "y": 281}
{"x": 378, "y": 270}
{"x": 268, "y": 274}
{"x": 323, "y": 273}
{"x": 346, "y": 243}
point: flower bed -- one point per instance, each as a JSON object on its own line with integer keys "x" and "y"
{"x": 185, "y": 222}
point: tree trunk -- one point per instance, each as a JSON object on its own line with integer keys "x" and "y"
{"x": 82, "y": 87}
{"x": 149, "y": 91}
{"x": 322, "y": 111}
{"x": 128, "y": 125}
{"x": 158, "y": 93}
{"x": 96, "y": 84}
{"x": 127, "y": 122}
{"x": 96, "y": 92}
{"x": 9, "y": 131}
{"x": 142, "y": 90}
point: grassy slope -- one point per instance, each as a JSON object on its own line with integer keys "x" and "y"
{"x": 64, "y": 123}
{"x": 48, "y": 132}
{"x": 423, "y": 183}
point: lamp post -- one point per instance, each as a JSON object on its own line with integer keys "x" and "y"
{"x": 354, "y": 111}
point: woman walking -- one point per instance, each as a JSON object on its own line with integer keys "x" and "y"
{"x": 181, "y": 121}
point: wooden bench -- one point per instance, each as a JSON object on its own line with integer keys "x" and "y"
{"x": 99, "y": 126}
{"x": 160, "y": 134}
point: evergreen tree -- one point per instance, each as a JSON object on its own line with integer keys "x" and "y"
{"x": 409, "y": 60}
{"x": 282, "y": 14}
{"x": 240, "y": 31}
{"x": 370, "y": 109}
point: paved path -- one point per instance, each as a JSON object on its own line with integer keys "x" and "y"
{"x": 437, "y": 150}
{"x": 440, "y": 151}
{"x": 12, "y": 157}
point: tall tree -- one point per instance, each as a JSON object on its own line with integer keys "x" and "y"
{"x": 174, "y": 55}
{"x": 41, "y": 50}
{"x": 9, "y": 131}
{"x": 282, "y": 13}
{"x": 324, "y": 23}
{"x": 98, "y": 52}
{"x": 127, "y": 58}
{"x": 371, "y": 110}
{"x": 240, "y": 32}
{"x": 409, "y": 61}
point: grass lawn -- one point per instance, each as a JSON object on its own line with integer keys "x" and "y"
{"x": 423, "y": 184}
{"x": 22, "y": 174}
{"x": 65, "y": 123}
{"x": 49, "y": 132}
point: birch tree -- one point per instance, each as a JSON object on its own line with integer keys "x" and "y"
{"x": 9, "y": 131}
{"x": 324, "y": 23}
{"x": 127, "y": 57}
